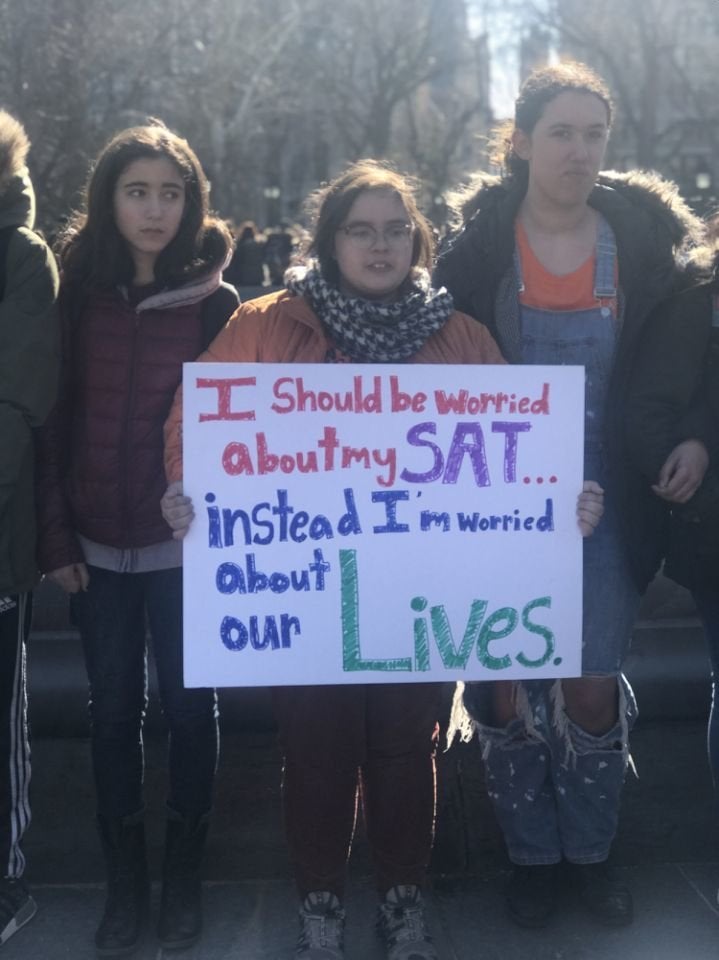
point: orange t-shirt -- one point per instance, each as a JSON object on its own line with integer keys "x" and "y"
{"x": 550, "y": 291}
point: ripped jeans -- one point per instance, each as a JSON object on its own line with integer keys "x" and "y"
{"x": 554, "y": 787}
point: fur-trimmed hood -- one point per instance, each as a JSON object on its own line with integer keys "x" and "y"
{"x": 703, "y": 264}
{"x": 659, "y": 196}
{"x": 14, "y": 146}
{"x": 17, "y": 197}
{"x": 647, "y": 189}
{"x": 654, "y": 228}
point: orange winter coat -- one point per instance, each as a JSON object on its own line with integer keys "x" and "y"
{"x": 282, "y": 328}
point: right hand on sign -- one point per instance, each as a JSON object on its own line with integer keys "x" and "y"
{"x": 177, "y": 510}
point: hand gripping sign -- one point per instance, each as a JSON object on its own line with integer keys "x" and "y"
{"x": 369, "y": 523}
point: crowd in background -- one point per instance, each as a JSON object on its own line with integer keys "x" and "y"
{"x": 261, "y": 256}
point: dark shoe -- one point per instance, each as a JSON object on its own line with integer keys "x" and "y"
{"x": 180, "y": 921}
{"x": 605, "y": 897}
{"x": 322, "y": 928}
{"x": 128, "y": 887}
{"x": 532, "y": 894}
{"x": 401, "y": 925}
{"x": 16, "y": 907}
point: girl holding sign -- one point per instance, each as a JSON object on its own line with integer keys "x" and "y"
{"x": 366, "y": 297}
{"x": 564, "y": 265}
{"x": 141, "y": 293}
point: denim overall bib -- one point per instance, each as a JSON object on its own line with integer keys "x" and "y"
{"x": 555, "y": 788}
{"x": 588, "y": 337}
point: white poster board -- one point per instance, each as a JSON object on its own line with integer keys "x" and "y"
{"x": 381, "y": 523}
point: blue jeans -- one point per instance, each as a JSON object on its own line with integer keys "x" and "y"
{"x": 555, "y": 788}
{"x": 111, "y": 618}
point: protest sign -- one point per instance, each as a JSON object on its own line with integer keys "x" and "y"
{"x": 376, "y": 523}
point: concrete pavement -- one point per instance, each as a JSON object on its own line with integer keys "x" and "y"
{"x": 667, "y": 850}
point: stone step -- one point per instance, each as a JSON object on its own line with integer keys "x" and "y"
{"x": 668, "y": 667}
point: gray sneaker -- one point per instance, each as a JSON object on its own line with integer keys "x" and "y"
{"x": 16, "y": 907}
{"x": 322, "y": 928}
{"x": 401, "y": 925}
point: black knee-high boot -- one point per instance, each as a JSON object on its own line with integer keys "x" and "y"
{"x": 128, "y": 888}
{"x": 180, "y": 922}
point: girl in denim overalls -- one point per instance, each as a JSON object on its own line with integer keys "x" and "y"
{"x": 564, "y": 266}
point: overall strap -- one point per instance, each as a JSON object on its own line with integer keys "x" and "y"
{"x": 605, "y": 285}
{"x": 518, "y": 269}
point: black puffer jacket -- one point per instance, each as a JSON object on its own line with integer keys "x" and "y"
{"x": 651, "y": 224}
{"x": 101, "y": 451}
{"x": 686, "y": 339}
{"x": 29, "y": 361}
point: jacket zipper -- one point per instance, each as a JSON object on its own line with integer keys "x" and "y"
{"x": 125, "y": 443}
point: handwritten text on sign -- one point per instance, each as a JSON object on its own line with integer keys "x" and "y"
{"x": 360, "y": 524}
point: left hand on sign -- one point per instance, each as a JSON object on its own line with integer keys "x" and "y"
{"x": 590, "y": 507}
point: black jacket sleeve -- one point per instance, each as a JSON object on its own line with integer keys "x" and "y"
{"x": 665, "y": 402}
{"x": 217, "y": 310}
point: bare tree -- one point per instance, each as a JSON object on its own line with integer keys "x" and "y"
{"x": 274, "y": 96}
{"x": 659, "y": 60}
{"x": 372, "y": 57}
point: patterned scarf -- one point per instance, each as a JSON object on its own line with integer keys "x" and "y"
{"x": 371, "y": 332}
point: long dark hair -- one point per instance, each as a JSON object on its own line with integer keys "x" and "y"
{"x": 328, "y": 208}
{"x": 92, "y": 251}
{"x": 539, "y": 89}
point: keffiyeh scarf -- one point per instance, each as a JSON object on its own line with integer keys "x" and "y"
{"x": 371, "y": 332}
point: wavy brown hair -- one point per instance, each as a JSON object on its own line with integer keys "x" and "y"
{"x": 539, "y": 89}
{"x": 92, "y": 251}
{"x": 329, "y": 206}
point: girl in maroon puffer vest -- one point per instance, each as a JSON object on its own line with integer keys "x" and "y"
{"x": 141, "y": 293}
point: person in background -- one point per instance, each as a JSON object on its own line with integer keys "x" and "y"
{"x": 672, "y": 418}
{"x": 247, "y": 266}
{"x": 364, "y": 296}
{"x": 565, "y": 265}
{"x": 29, "y": 364}
{"x": 141, "y": 293}
{"x": 279, "y": 247}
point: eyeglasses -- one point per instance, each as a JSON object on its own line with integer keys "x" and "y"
{"x": 364, "y": 236}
